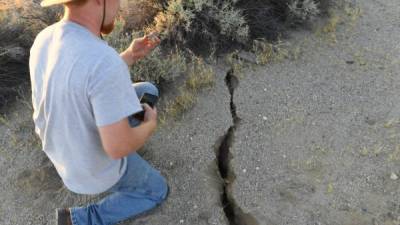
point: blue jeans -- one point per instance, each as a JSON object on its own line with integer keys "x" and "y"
{"x": 140, "y": 188}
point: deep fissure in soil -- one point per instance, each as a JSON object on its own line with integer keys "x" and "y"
{"x": 233, "y": 212}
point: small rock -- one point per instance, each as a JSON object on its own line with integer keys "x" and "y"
{"x": 244, "y": 170}
{"x": 181, "y": 221}
{"x": 394, "y": 176}
{"x": 364, "y": 210}
{"x": 370, "y": 121}
{"x": 265, "y": 118}
{"x": 257, "y": 168}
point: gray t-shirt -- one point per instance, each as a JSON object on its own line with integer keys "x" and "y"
{"x": 79, "y": 83}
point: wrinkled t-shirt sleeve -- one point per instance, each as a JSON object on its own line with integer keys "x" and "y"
{"x": 112, "y": 95}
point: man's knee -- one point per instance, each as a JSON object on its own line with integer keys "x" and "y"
{"x": 159, "y": 187}
{"x": 153, "y": 89}
{"x": 146, "y": 87}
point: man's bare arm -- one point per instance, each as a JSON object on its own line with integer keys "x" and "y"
{"x": 119, "y": 139}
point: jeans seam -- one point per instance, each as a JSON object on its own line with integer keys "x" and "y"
{"x": 74, "y": 220}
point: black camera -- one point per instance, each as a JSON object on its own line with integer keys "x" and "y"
{"x": 151, "y": 100}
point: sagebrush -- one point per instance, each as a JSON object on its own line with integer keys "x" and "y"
{"x": 187, "y": 28}
{"x": 209, "y": 25}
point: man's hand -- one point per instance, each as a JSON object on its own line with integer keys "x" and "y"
{"x": 140, "y": 47}
{"x": 150, "y": 114}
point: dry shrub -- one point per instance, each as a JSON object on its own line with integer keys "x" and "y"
{"x": 157, "y": 67}
{"x": 29, "y": 17}
{"x": 201, "y": 25}
{"x": 218, "y": 25}
{"x": 140, "y": 13}
{"x": 20, "y": 21}
{"x": 20, "y": 24}
{"x": 160, "y": 67}
{"x": 268, "y": 19}
{"x": 304, "y": 10}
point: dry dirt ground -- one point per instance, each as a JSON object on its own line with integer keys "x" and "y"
{"x": 311, "y": 139}
{"x": 318, "y": 140}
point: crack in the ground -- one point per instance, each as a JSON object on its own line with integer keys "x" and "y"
{"x": 233, "y": 212}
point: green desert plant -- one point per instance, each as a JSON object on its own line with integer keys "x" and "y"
{"x": 207, "y": 24}
{"x": 202, "y": 25}
{"x": 303, "y": 11}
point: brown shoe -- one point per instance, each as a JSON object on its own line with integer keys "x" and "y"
{"x": 63, "y": 217}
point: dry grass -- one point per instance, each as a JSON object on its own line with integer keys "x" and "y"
{"x": 184, "y": 101}
{"x": 269, "y": 52}
{"x": 158, "y": 67}
{"x": 18, "y": 127}
{"x": 343, "y": 13}
{"x": 200, "y": 76}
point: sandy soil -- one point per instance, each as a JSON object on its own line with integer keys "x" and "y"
{"x": 318, "y": 141}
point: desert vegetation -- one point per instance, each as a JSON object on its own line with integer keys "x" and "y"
{"x": 218, "y": 25}
{"x": 191, "y": 31}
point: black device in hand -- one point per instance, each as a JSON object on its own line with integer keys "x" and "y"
{"x": 151, "y": 100}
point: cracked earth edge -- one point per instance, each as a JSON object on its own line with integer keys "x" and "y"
{"x": 233, "y": 212}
